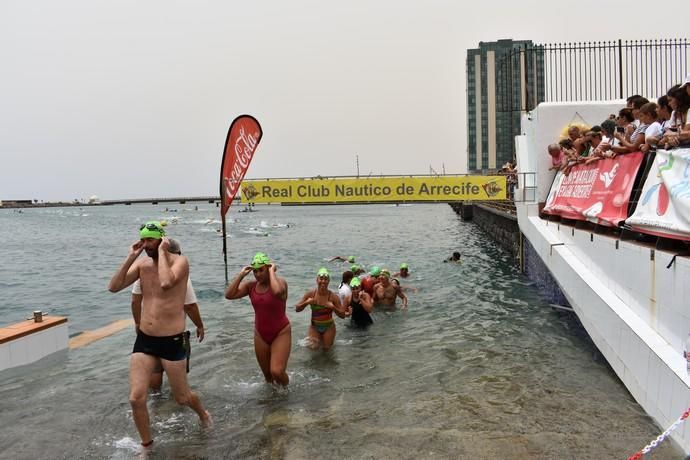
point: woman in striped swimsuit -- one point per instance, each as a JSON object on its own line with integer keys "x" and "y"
{"x": 323, "y": 303}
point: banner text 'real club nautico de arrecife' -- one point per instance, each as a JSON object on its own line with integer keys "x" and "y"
{"x": 379, "y": 189}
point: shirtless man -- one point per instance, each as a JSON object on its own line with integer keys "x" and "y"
{"x": 191, "y": 308}
{"x": 160, "y": 338}
{"x": 385, "y": 292}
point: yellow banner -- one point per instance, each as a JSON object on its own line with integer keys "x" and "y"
{"x": 383, "y": 189}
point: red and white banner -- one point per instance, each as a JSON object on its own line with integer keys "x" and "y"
{"x": 598, "y": 192}
{"x": 664, "y": 206}
{"x": 241, "y": 143}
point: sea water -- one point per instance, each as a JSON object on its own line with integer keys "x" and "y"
{"x": 478, "y": 367}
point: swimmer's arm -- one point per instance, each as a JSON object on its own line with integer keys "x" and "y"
{"x": 366, "y": 301}
{"x": 306, "y": 300}
{"x": 136, "y": 309}
{"x": 337, "y": 307}
{"x": 128, "y": 271}
{"x": 236, "y": 289}
{"x": 337, "y": 258}
{"x": 278, "y": 285}
{"x": 192, "y": 311}
{"x": 402, "y": 295}
{"x": 170, "y": 274}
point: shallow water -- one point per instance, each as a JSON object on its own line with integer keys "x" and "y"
{"x": 478, "y": 367}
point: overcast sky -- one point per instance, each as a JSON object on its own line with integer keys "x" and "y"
{"x": 127, "y": 99}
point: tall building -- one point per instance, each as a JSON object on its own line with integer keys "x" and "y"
{"x": 504, "y": 78}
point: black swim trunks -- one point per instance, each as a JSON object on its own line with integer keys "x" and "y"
{"x": 170, "y": 348}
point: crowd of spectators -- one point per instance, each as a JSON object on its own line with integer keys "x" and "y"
{"x": 640, "y": 126}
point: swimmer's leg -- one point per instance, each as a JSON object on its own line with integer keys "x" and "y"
{"x": 140, "y": 369}
{"x": 280, "y": 353}
{"x": 328, "y": 338}
{"x": 177, "y": 377}
{"x": 314, "y": 338}
{"x": 156, "y": 381}
{"x": 263, "y": 356}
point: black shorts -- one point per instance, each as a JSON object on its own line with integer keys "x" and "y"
{"x": 170, "y": 348}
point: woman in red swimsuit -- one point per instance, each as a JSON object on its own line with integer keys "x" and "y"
{"x": 272, "y": 334}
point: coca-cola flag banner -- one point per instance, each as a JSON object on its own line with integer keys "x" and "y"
{"x": 598, "y": 192}
{"x": 243, "y": 138}
{"x": 664, "y": 205}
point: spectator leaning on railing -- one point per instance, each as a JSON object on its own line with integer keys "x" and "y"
{"x": 679, "y": 132}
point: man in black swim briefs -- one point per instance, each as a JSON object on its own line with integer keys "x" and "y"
{"x": 160, "y": 336}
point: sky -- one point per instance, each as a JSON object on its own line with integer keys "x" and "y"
{"x": 133, "y": 99}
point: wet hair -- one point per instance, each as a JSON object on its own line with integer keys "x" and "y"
{"x": 608, "y": 127}
{"x": 627, "y": 114}
{"x": 456, "y": 255}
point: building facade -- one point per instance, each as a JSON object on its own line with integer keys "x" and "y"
{"x": 504, "y": 78}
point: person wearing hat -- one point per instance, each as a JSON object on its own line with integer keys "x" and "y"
{"x": 160, "y": 337}
{"x": 323, "y": 303}
{"x": 348, "y": 259}
{"x": 191, "y": 308}
{"x": 386, "y": 293}
{"x": 370, "y": 280}
{"x": 404, "y": 271}
{"x": 356, "y": 269}
{"x": 272, "y": 332}
{"x": 359, "y": 306}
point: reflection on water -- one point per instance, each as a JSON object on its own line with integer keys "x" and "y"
{"x": 478, "y": 367}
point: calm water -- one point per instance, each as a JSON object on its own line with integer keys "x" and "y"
{"x": 479, "y": 367}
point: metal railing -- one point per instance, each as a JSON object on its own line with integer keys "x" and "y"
{"x": 589, "y": 71}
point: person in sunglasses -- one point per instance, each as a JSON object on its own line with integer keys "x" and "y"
{"x": 386, "y": 293}
{"x": 160, "y": 337}
{"x": 323, "y": 303}
{"x": 272, "y": 333}
{"x": 191, "y": 308}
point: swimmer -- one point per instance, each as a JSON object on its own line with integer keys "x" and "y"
{"x": 344, "y": 291}
{"x": 348, "y": 259}
{"x": 454, "y": 258}
{"x": 386, "y": 293}
{"x": 272, "y": 333}
{"x": 323, "y": 303}
{"x": 161, "y": 335}
{"x": 404, "y": 271}
{"x": 360, "y": 305}
{"x": 356, "y": 270}
{"x": 412, "y": 289}
{"x": 370, "y": 280}
{"x": 191, "y": 308}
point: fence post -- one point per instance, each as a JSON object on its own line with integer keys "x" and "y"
{"x": 620, "y": 69}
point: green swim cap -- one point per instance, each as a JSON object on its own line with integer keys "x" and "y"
{"x": 403, "y": 266}
{"x": 355, "y": 282}
{"x": 151, "y": 229}
{"x": 351, "y": 259}
{"x": 260, "y": 259}
{"x": 354, "y": 268}
{"x": 323, "y": 273}
{"x": 375, "y": 271}
{"x": 385, "y": 273}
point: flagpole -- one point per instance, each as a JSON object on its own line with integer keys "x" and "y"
{"x": 225, "y": 252}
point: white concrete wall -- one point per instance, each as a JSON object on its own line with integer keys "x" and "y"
{"x": 32, "y": 347}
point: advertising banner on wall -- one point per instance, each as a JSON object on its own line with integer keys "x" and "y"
{"x": 381, "y": 189}
{"x": 664, "y": 206}
{"x": 598, "y": 192}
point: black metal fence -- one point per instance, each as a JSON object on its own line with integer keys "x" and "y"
{"x": 589, "y": 71}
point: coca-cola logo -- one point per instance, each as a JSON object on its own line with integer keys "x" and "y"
{"x": 243, "y": 148}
